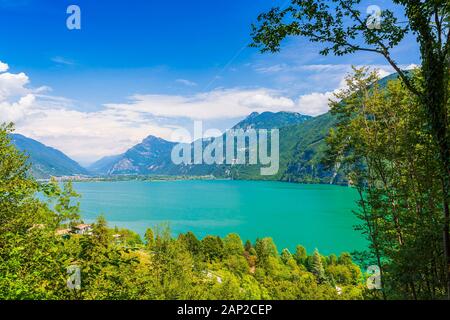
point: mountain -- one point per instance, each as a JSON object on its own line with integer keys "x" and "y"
{"x": 302, "y": 147}
{"x": 46, "y": 161}
{"x": 302, "y": 141}
{"x": 103, "y": 165}
{"x": 270, "y": 120}
{"x": 305, "y": 148}
{"x": 151, "y": 156}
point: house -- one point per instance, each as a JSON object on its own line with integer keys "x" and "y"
{"x": 64, "y": 233}
{"x": 117, "y": 238}
{"x": 83, "y": 229}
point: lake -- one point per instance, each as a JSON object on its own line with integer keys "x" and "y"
{"x": 315, "y": 216}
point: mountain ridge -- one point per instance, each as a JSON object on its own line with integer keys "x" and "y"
{"x": 153, "y": 155}
{"x": 46, "y": 161}
{"x": 302, "y": 141}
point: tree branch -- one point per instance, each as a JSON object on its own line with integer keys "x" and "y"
{"x": 438, "y": 26}
{"x": 402, "y": 75}
{"x": 355, "y": 47}
{"x": 384, "y": 52}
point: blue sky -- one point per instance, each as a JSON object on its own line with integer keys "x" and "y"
{"x": 141, "y": 67}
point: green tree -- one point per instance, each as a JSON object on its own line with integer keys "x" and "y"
{"x": 286, "y": 256}
{"x": 333, "y": 260}
{"x": 265, "y": 248}
{"x": 232, "y": 244}
{"x": 192, "y": 243}
{"x": 345, "y": 259}
{"x": 64, "y": 201}
{"x": 300, "y": 255}
{"x": 128, "y": 237}
{"x": 17, "y": 189}
{"x": 384, "y": 147}
{"x": 34, "y": 259}
{"x": 248, "y": 245}
{"x": 149, "y": 238}
{"x": 317, "y": 267}
{"x": 30, "y": 264}
{"x": 172, "y": 272}
{"x": 338, "y": 24}
{"x": 212, "y": 248}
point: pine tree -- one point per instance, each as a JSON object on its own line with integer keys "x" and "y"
{"x": 286, "y": 255}
{"x": 339, "y": 25}
{"x": 300, "y": 255}
{"x": 149, "y": 238}
{"x": 248, "y": 245}
{"x": 317, "y": 267}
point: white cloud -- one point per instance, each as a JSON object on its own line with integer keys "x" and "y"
{"x": 277, "y": 68}
{"x": 3, "y": 67}
{"x": 87, "y": 136}
{"x": 324, "y": 67}
{"x": 412, "y": 66}
{"x": 15, "y": 98}
{"x": 339, "y": 68}
{"x": 216, "y": 104}
{"x": 12, "y": 85}
{"x": 305, "y": 78}
{"x": 186, "y": 82}
{"x": 16, "y": 110}
{"x": 314, "y": 104}
{"x": 62, "y": 60}
{"x": 272, "y": 69}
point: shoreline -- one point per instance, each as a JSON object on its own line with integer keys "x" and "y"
{"x": 162, "y": 178}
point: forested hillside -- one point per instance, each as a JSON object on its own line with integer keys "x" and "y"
{"x": 43, "y": 242}
{"x": 46, "y": 161}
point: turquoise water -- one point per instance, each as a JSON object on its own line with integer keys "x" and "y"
{"x": 316, "y": 216}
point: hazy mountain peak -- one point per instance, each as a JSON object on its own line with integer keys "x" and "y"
{"x": 271, "y": 120}
{"x": 253, "y": 115}
{"x": 151, "y": 138}
{"x": 46, "y": 161}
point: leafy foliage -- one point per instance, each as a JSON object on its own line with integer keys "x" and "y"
{"x": 116, "y": 264}
{"x": 45, "y": 161}
{"x": 384, "y": 147}
{"x": 340, "y": 27}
